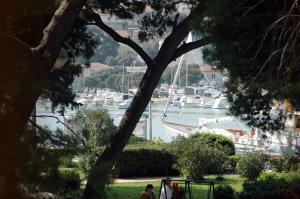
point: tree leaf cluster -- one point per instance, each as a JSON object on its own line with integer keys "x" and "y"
{"x": 255, "y": 41}
{"x": 93, "y": 131}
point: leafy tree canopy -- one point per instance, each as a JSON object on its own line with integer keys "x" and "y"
{"x": 256, "y": 41}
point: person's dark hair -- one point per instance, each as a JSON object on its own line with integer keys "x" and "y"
{"x": 167, "y": 180}
{"x": 149, "y": 186}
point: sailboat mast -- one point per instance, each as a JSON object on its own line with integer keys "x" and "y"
{"x": 189, "y": 39}
{"x": 173, "y": 85}
{"x": 186, "y": 75}
{"x": 123, "y": 78}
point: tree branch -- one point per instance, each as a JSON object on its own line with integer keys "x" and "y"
{"x": 57, "y": 31}
{"x": 53, "y": 139}
{"x": 59, "y": 121}
{"x": 171, "y": 43}
{"x": 186, "y": 47}
{"x": 119, "y": 38}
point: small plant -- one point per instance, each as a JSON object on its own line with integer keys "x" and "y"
{"x": 224, "y": 192}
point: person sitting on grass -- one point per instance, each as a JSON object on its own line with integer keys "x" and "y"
{"x": 148, "y": 193}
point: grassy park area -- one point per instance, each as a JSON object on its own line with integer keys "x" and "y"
{"x": 133, "y": 189}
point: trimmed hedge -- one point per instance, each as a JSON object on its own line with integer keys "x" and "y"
{"x": 145, "y": 162}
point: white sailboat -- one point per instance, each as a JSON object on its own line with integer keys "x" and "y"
{"x": 175, "y": 129}
{"x": 220, "y": 102}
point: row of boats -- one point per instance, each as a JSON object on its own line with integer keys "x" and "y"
{"x": 107, "y": 97}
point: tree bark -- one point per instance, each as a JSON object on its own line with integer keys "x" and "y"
{"x": 100, "y": 173}
{"x": 24, "y": 73}
{"x": 17, "y": 97}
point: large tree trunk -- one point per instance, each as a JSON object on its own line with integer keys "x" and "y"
{"x": 100, "y": 173}
{"x": 18, "y": 92}
{"x": 24, "y": 72}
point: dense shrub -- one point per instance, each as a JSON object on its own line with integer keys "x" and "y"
{"x": 70, "y": 180}
{"x": 201, "y": 159}
{"x": 224, "y": 192}
{"x": 251, "y": 165}
{"x": 275, "y": 194}
{"x": 145, "y": 162}
{"x": 287, "y": 162}
{"x": 203, "y": 153}
{"x": 137, "y": 140}
{"x": 137, "y": 143}
{"x": 216, "y": 141}
{"x": 271, "y": 186}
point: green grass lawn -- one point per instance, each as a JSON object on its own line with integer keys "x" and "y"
{"x": 132, "y": 190}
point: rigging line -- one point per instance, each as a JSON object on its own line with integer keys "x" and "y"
{"x": 241, "y": 125}
{"x": 168, "y": 136}
{"x": 189, "y": 39}
{"x": 173, "y": 84}
{"x": 201, "y": 68}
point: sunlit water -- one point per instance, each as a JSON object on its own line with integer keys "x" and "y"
{"x": 188, "y": 116}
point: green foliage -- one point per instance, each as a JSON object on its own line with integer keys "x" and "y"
{"x": 269, "y": 186}
{"x": 201, "y": 159}
{"x": 145, "y": 162}
{"x": 202, "y": 154}
{"x": 224, "y": 192}
{"x": 26, "y": 20}
{"x": 66, "y": 161}
{"x": 216, "y": 141}
{"x": 289, "y": 160}
{"x": 256, "y": 50}
{"x": 194, "y": 75}
{"x": 88, "y": 159}
{"x": 94, "y": 129}
{"x": 58, "y": 88}
{"x": 107, "y": 47}
{"x": 126, "y": 56}
{"x": 251, "y": 165}
{"x": 137, "y": 143}
{"x": 112, "y": 78}
{"x": 231, "y": 163}
{"x": 37, "y": 166}
{"x": 70, "y": 180}
{"x": 137, "y": 140}
{"x": 285, "y": 164}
